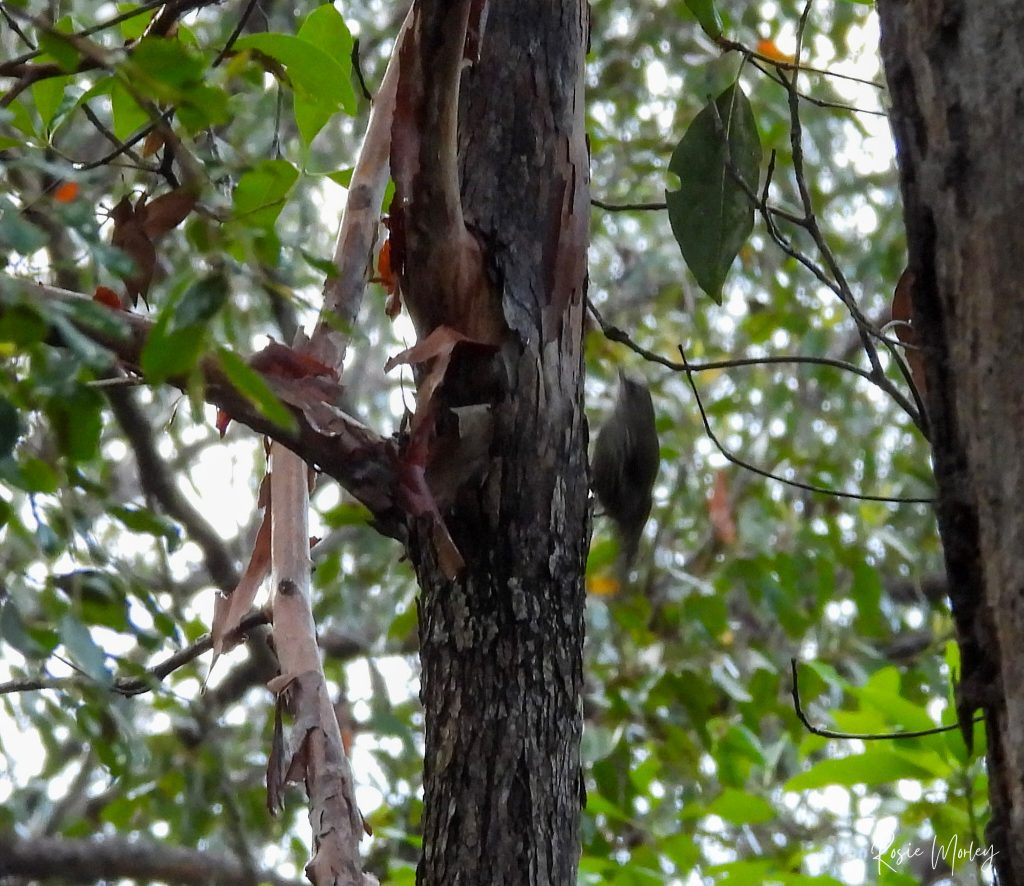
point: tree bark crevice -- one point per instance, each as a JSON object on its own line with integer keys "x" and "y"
{"x": 502, "y": 644}
{"x": 955, "y": 96}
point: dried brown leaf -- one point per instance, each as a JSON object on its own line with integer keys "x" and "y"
{"x": 166, "y": 212}
{"x": 317, "y": 399}
{"x": 153, "y": 143}
{"x": 226, "y": 618}
{"x": 276, "y": 767}
{"x": 279, "y": 360}
{"x": 720, "y": 511}
{"x": 902, "y": 316}
{"x": 132, "y": 240}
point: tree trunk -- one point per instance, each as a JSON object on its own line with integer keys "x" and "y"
{"x": 502, "y": 643}
{"x": 956, "y": 73}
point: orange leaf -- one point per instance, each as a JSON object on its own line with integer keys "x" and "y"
{"x": 106, "y": 296}
{"x": 901, "y": 311}
{"x": 769, "y": 50}
{"x": 386, "y": 276}
{"x": 153, "y": 143}
{"x": 603, "y": 585}
{"x": 902, "y": 316}
{"x": 66, "y": 192}
{"x": 222, "y": 422}
{"x": 720, "y": 511}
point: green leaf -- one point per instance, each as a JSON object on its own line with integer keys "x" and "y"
{"x": 314, "y": 73}
{"x": 61, "y": 51}
{"x": 262, "y": 191}
{"x": 96, "y": 317}
{"x": 18, "y": 234}
{"x": 321, "y": 83}
{"x": 32, "y": 475}
{"x": 165, "y": 64}
{"x": 83, "y": 650}
{"x": 252, "y": 386}
{"x": 202, "y": 106}
{"x": 707, "y": 17}
{"x": 168, "y": 71}
{"x": 324, "y": 265}
{"x": 20, "y": 117}
{"x": 325, "y": 28}
{"x": 200, "y": 302}
{"x": 741, "y": 807}
{"x": 133, "y": 28}
{"x": 146, "y": 522}
{"x": 172, "y": 354}
{"x": 21, "y": 325}
{"x": 77, "y": 422}
{"x": 873, "y": 767}
{"x": 710, "y": 214}
{"x": 882, "y": 694}
{"x": 92, "y": 354}
{"x": 48, "y": 95}
{"x": 174, "y": 347}
{"x": 127, "y": 115}
{"x": 15, "y": 634}
{"x": 341, "y": 177}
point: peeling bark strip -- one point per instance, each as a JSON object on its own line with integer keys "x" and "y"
{"x": 489, "y": 233}
{"x": 313, "y": 753}
{"x": 956, "y": 73}
{"x": 440, "y": 262}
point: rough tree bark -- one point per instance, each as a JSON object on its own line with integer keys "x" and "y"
{"x": 489, "y": 226}
{"x": 956, "y": 73}
{"x": 489, "y": 230}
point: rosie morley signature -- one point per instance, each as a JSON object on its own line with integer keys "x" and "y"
{"x": 950, "y": 853}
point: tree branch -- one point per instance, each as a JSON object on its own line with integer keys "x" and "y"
{"x": 361, "y": 460}
{"x": 115, "y": 858}
{"x": 353, "y": 252}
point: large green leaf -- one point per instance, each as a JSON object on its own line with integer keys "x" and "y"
{"x": 318, "y": 65}
{"x": 707, "y": 17}
{"x": 261, "y": 192}
{"x": 251, "y": 384}
{"x": 711, "y": 215}
{"x": 740, "y": 807}
{"x": 83, "y": 650}
{"x": 875, "y": 767}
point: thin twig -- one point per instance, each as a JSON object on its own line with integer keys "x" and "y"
{"x": 102, "y": 128}
{"x": 810, "y": 99}
{"x": 617, "y": 334}
{"x": 860, "y": 736}
{"x": 628, "y": 207}
{"x": 14, "y": 26}
{"x": 358, "y": 68}
{"x": 808, "y": 487}
{"x": 125, "y": 146}
{"x": 733, "y": 46}
{"x": 130, "y": 686}
{"x": 235, "y": 33}
{"x": 837, "y": 282}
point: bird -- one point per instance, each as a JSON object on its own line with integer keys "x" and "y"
{"x": 625, "y": 464}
